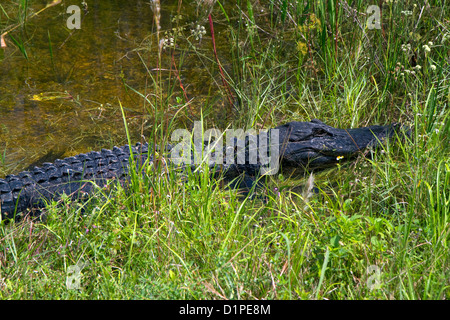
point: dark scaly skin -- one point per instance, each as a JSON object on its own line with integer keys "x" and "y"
{"x": 72, "y": 176}
{"x": 302, "y": 146}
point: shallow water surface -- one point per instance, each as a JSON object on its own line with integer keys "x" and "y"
{"x": 63, "y": 98}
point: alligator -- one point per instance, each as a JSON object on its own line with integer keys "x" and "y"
{"x": 300, "y": 146}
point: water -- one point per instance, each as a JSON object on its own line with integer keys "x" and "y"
{"x": 64, "y": 99}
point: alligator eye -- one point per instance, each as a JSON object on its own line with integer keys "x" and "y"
{"x": 320, "y": 132}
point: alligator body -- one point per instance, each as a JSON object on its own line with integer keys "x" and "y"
{"x": 300, "y": 145}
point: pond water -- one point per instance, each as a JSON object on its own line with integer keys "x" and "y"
{"x": 62, "y": 98}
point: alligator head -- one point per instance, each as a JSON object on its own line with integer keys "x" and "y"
{"x": 315, "y": 145}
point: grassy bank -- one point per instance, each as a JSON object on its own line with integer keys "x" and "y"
{"x": 377, "y": 229}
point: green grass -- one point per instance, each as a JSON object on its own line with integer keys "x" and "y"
{"x": 8, "y": 23}
{"x": 377, "y": 229}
